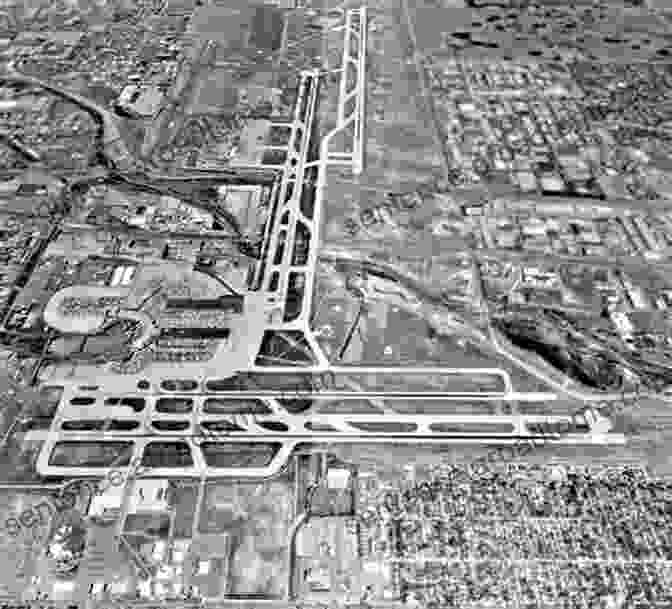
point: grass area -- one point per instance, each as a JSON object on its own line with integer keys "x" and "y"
{"x": 438, "y": 407}
{"x": 425, "y": 382}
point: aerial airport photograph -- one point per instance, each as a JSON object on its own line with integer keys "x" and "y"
{"x": 323, "y": 304}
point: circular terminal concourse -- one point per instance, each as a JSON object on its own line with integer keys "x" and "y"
{"x": 87, "y": 309}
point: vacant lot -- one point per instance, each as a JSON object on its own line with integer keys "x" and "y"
{"x": 258, "y": 518}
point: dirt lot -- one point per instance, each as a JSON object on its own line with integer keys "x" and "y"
{"x": 258, "y": 518}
